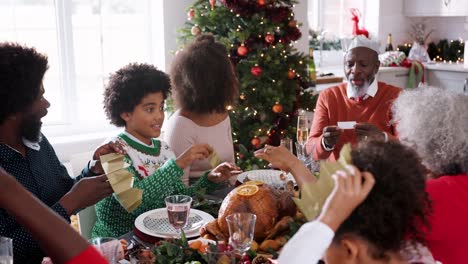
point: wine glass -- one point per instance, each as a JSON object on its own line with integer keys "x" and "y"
{"x": 109, "y": 247}
{"x": 178, "y": 210}
{"x": 241, "y": 230}
{"x": 6, "y": 250}
{"x": 287, "y": 143}
{"x": 306, "y": 158}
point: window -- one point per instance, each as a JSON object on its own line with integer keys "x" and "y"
{"x": 85, "y": 41}
{"x": 333, "y": 16}
{"x": 331, "y": 20}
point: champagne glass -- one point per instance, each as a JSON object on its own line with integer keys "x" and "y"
{"x": 302, "y": 128}
{"x": 178, "y": 210}
{"x": 241, "y": 230}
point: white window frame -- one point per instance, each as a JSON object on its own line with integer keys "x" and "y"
{"x": 68, "y": 82}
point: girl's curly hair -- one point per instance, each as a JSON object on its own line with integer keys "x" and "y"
{"x": 397, "y": 207}
{"x": 203, "y": 78}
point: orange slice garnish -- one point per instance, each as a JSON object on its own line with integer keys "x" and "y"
{"x": 257, "y": 183}
{"x": 247, "y": 190}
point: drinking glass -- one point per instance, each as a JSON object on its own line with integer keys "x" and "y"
{"x": 6, "y": 250}
{"x": 306, "y": 158}
{"x": 302, "y": 128}
{"x": 241, "y": 230}
{"x": 109, "y": 247}
{"x": 216, "y": 257}
{"x": 287, "y": 143}
{"x": 178, "y": 210}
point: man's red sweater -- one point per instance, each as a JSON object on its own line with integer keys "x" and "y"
{"x": 334, "y": 106}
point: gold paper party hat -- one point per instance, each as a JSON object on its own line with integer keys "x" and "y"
{"x": 313, "y": 195}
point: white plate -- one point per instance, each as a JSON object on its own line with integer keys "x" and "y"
{"x": 271, "y": 177}
{"x": 155, "y": 223}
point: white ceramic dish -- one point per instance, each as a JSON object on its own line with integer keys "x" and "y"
{"x": 155, "y": 223}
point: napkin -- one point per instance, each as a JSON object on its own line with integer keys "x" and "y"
{"x": 314, "y": 195}
{"x": 121, "y": 181}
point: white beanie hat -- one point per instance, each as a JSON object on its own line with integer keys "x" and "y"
{"x": 359, "y": 41}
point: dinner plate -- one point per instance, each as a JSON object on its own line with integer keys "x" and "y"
{"x": 271, "y": 177}
{"x": 156, "y": 223}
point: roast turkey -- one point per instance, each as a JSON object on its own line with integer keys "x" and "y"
{"x": 267, "y": 203}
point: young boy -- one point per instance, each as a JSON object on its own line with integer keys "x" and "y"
{"x": 134, "y": 99}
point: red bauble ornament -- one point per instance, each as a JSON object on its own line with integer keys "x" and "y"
{"x": 261, "y": 2}
{"x": 292, "y": 23}
{"x": 256, "y": 71}
{"x": 255, "y": 142}
{"x": 291, "y": 75}
{"x": 242, "y": 50}
{"x": 190, "y": 14}
{"x": 277, "y": 108}
{"x": 269, "y": 38}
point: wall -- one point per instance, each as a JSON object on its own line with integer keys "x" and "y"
{"x": 393, "y": 21}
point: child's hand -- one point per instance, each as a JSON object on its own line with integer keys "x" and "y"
{"x": 196, "y": 152}
{"x": 223, "y": 172}
{"x": 351, "y": 188}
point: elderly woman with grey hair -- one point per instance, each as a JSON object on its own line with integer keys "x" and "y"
{"x": 435, "y": 123}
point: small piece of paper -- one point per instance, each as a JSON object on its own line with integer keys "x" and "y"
{"x": 214, "y": 159}
{"x": 121, "y": 181}
{"x": 347, "y": 124}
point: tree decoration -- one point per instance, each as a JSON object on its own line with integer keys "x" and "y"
{"x": 195, "y": 30}
{"x": 242, "y": 50}
{"x": 256, "y": 71}
{"x": 269, "y": 38}
{"x": 292, "y": 23}
{"x": 272, "y": 74}
{"x": 190, "y": 14}
{"x": 255, "y": 142}
{"x": 212, "y": 4}
{"x": 277, "y": 108}
{"x": 291, "y": 74}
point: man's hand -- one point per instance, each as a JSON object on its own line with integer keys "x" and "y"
{"x": 111, "y": 147}
{"x": 331, "y": 135}
{"x": 195, "y": 152}
{"x": 366, "y": 131}
{"x": 351, "y": 188}
{"x": 86, "y": 192}
{"x": 223, "y": 172}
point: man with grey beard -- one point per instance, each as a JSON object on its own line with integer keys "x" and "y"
{"x": 27, "y": 155}
{"x": 359, "y": 109}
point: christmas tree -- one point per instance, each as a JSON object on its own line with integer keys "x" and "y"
{"x": 259, "y": 35}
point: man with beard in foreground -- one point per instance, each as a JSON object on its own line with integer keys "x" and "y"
{"x": 27, "y": 155}
{"x": 362, "y": 100}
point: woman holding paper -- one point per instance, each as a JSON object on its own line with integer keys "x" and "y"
{"x": 134, "y": 99}
{"x": 204, "y": 85}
